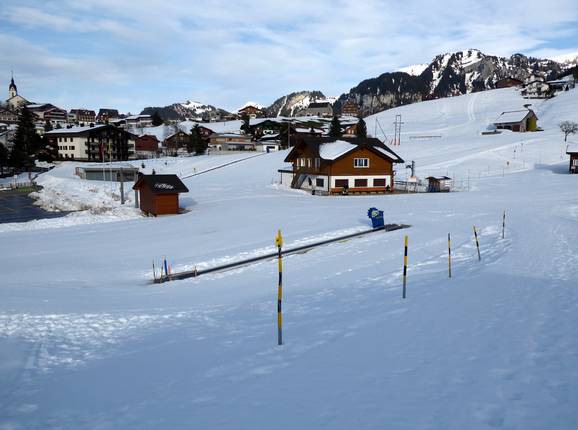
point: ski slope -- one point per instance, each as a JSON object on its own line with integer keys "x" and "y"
{"x": 86, "y": 341}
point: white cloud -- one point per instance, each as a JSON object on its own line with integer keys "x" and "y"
{"x": 225, "y": 52}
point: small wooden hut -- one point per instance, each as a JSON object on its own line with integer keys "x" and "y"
{"x": 438, "y": 184}
{"x": 572, "y": 151}
{"x": 159, "y": 194}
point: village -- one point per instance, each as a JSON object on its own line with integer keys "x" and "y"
{"x": 331, "y": 153}
{"x": 383, "y": 237}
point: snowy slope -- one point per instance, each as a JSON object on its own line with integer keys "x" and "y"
{"x": 86, "y": 342}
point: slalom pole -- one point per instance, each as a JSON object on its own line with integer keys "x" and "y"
{"x": 279, "y": 243}
{"x": 449, "y": 256}
{"x": 477, "y": 244}
{"x": 166, "y": 267}
{"x": 154, "y": 272}
{"x": 405, "y": 267}
{"x": 504, "y": 225}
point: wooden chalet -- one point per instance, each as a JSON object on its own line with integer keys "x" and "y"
{"x": 146, "y": 146}
{"x": 175, "y": 142}
{"x": 517, "y": 120}
{"x": 340, "y": 166}
{"x": 251, "y": 111}
{"x": 159, "y": 194}
{"x": 509, "y": 82}
{"x": 349, "y": 108}
{"x": 572, "y": 151}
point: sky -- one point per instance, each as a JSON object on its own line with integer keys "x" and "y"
{"x": 129, "y": 55}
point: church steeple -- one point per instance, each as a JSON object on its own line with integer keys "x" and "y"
{"x": 12, "y": 90}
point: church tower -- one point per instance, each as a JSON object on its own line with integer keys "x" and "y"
{"x": 12, "y": 90}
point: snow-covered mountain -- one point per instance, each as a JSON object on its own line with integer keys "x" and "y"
{"x": 570, "y": 59}
{"x": 191, "y": 110}
{"x": 447, "y": 75}
{"x": 414, "y": 70}
{"x": 292, "y": 104}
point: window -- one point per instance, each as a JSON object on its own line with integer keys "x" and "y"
{"x": 379, "y": 182}
{"x": 317, "y": 163}
{"x": 60, "y": 139}
{"x": 341, "y": 183}
{"x": 309, "y": 162}
{"x": 361, "y": 182}
{"x": 361, "y": 162}
{"x": 71, "y": 148}
{"x": 319, "y": 182}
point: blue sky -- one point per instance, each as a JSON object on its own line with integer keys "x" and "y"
{"x": 128, "y": 54}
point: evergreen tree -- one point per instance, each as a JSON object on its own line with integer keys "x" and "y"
{"x": 246, "y": 127}
{"x": 196, "y": 142}
{"x": 3, "y": 158}
{"x": 26, "y": 141}
{"x": 49, "y": 150}
{"x": 575, "y": 72}
{"x": 361, "y": 128}
{"x": 47, "y": 126}
{"x": 335, "y": 127}
{"x": 156, "y": 119}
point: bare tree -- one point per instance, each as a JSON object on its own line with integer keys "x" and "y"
{"x": 568, "y": 127}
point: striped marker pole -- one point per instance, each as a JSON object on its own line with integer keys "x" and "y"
{"x": 504, "y": 225}
{"x": 477, "y": 243}
{"x": 279, "y": 243}
{"x": 449, "y": 256}
{"x": 405, "y": 267}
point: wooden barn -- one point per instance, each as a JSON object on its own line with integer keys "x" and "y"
{"x": 509, "y": 82}
{"x": 572, "y": 151}
{"x": 517, "y": 120}
{"x": 159, "y": 194}
{"x": 340, "y": 166}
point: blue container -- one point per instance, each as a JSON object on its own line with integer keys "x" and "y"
{"x": 376, "y": 217}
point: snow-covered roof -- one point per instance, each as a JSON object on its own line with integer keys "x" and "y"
{"x": 250, "y": 103}
{"x": 334, "y": 150}
{"x": 572, "y": 148}
{"x": 512, "y": 116}
{"x": 75, "y": 130}
{"x": 137, "y": 117}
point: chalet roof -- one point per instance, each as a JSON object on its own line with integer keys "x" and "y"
{"x": 513, "y": 116}
{"x": 76, "y": 130}
{"x": 331, "y": 148}
{"x": 161, "y": 184}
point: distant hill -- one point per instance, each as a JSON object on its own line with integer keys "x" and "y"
{"x": 291, "y": 104}
{"x": 189, "y": 110}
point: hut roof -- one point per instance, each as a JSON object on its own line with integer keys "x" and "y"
{"x": 161, "y": 184}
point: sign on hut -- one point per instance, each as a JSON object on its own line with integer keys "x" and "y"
{"x": 437, "y": 184}
{"x": 159, "y": 194}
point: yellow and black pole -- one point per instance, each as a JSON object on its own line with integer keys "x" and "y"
{"x": 449, "y": 256}
{"x": 477, "y": 243}
{"x": 504, "y": 225}
{"x": 279, "y": 243}
{"x": 405, "y": 267}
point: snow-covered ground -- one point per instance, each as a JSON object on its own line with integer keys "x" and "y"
{"x": 86, "y": 341}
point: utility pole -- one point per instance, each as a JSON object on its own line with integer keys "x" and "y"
{"x": 397, "y": 130}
